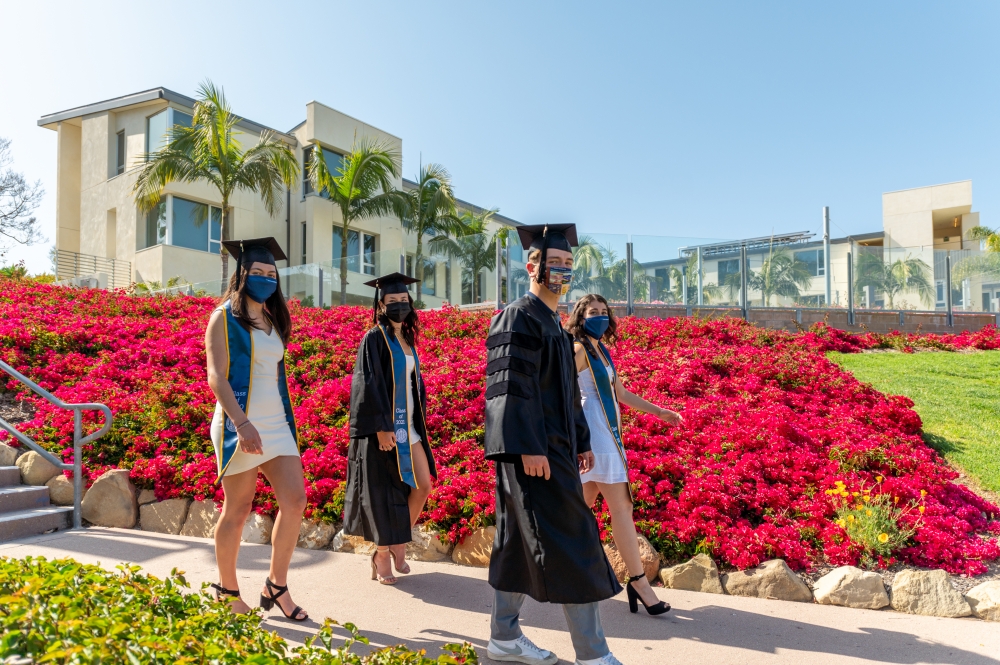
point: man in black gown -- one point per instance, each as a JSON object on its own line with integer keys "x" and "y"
{"x": 547, "y": 544}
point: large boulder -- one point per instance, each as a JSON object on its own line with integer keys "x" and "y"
{"x": 698, "y": 574}
{"x": 111, "y": 501}
{"x": 61, "y": 491}
{"x": 8, "y": 455}
{"x": 257, "y": 529}
{"x": 164, "y": 516}
{"x": 35, "y": 469}
{"x": 201, "y": 519}
{"x": 647, "y": 554}
{"x": 927, "y": 592}
{"x": 476, "y": 549}
{"x": 985, "y": 600}
{"x": 851, "y": 587}
{"x": 343, "y": 542}
{"x": 146, "y": 496}
{"x": 771, "y": 579}
{"x": 315, "y": 534}
{"x": 427, "y": 545}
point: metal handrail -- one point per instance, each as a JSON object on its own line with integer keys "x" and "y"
{"x": 78, "y": 439}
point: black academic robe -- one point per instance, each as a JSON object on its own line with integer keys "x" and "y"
{"x": 547, "y": 543}
{"x": 375, "y": 504}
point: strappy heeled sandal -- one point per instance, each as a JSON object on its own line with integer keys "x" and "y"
{"x": 402, "y": 570}
{"x": 388, "y": 579}
{"x": 634, "y": 599}
{"x": 270, "y": 600}
{"x": 221, "y": 591}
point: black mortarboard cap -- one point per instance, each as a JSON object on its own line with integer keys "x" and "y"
{"x": 265, "y": 250}
{"x": 394, "y": 283}
{"x": 560, "y": 236}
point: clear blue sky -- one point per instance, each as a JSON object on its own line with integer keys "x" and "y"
{"x": 711, "y": 119}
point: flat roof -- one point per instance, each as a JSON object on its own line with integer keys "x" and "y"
{"x": 943, "y": 184}
{"x": 146, "y": 96}
{"x": 760, "y": 249}
{"x": 407, "y": 183}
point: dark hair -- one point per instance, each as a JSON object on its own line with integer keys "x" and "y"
{"x": 574, "y": 325}
{"x": 411, "y": 326}
{"x": 275, "y": 308}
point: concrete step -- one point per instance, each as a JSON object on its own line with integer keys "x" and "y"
{"x": 33, "y": 522}
{"x": 9, "y": 475}
{"x": 23, "y": 497}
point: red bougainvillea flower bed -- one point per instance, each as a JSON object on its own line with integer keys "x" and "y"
{"x": 775, "y": 439}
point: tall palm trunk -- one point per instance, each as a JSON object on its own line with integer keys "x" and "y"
{"x": 343, "y": 265}
{"x": 419, "y": 267}
{"x": 222, "y": 236}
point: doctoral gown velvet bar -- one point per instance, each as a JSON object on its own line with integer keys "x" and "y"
{"x": 547, "y": 543}
{"x": 375, "y": 505}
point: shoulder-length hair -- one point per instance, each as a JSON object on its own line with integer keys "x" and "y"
{"x": 275, "y": 308}
{"x": 574, "y": 325}
{"x": 411, "y": 324}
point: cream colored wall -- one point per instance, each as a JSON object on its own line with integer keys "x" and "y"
{"x": 162, "y": 262}
{"x": 907, "y": 215}
{"x": 68, "y": 145}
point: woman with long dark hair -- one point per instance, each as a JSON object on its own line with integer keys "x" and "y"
{"x": 253, "y": 428}
{"x": 591, "y": 323}
{"x": 390, "y": 468}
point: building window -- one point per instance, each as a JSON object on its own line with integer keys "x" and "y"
{"x": 663, "y": 278}
{"x": 307, "y": 154}
{"x": 303, "y": 243}
{"x": 357, "y": 261}
{"x": 182, "y": 223}
{"x": 447, "y": 280}
{"x": 157, "y": 126}
{"x": 940, "y": 293}
{"x": 334, "y": 160}
{"x": 730, "y": 267}
{"x": 120, "y": 151}
{"x": 813, "y": 258}
{"x": 429, "y": 284}
{"x": 156, "y": 226}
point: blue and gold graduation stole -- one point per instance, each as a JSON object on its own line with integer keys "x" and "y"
{"x": 609, "y": 399}
{"x": 239, "y": 373}
{"x": 401, "y": 416}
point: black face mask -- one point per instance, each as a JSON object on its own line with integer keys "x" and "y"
{"x": 398, "y": 311}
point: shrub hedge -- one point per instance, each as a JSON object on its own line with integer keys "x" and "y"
{"x": 63, "y": 611}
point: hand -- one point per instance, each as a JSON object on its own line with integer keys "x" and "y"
{"x": 585, "y": 461}
{"x": 671, "y": 417}
{"x": 386, "y": 441}
{"x": 537, "y": 465}
{"x": 249, "y": 439}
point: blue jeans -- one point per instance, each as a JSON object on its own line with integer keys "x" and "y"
{"x": 584, "y": 624}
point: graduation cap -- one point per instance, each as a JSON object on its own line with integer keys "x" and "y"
{"x": 256, "y": 250}
{"x": 548, "y": 236}
{"x": 395, "y": 282}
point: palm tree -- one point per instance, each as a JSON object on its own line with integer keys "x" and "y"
{"x": 990, "y": 236}
{"x": 891, "y": 279}
{"x": 474, "y": 248}
{"x": 690, "y": 271}
{"x": 209, "y": 151}
{"x": 361, "y": 187}
{"x": 599, "y": 269}
{"x": 780, "y": 274}
{"x": 430, "y": 210}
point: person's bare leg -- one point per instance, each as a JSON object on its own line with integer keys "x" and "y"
{"x": 590, "y": 492}
{"x": 626, "y": 540}
{"x": 285, "y": 475}
{"x": 416, "y": 500}
{"x": 240, "y": 489}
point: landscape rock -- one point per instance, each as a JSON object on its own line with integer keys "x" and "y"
{"x": 257, "y": 529}
{"x": 146, "y": 496}
{"x": 201, "y": 519}
{"x": 8, "y": 455}
{"x": 647, "y": 554}
{"x": 352, "y": 544}
{"x": 771, "y": 579}
{"x": 476, "y": 549}
{"x": 164, "y": 516}
{"x": 851, "y": 587}
{"x": 427, "y": 546}
{"x": 35, "y": 469}
{"x": 315, "y": 534}
{"x": 927, "y": 592}
{"x": 985, "y": 600}
{"x": 698, "y": 574}
{"x": 111, "y": 501}
{"x": 61, "y": 491}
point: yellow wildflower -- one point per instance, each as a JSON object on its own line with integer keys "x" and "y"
{"x": 921, "y": 509}
{"x": 867, "y": 498}
{"x": 850, "y": 518}
{"x": 883, "y": 538}
{"x": 869, "y": 513}
{"x": 841, "y": 523}
{"x": 878, "y": 479}
{"x": 923, "y": 493}
{"x": 858, "y": 507}
{"x": 895, "y": 499}
{"x": 854, "y": 493}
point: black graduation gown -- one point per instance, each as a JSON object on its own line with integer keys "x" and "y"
{"x": 547, "y": 543}
{"x": 375, "y": 504}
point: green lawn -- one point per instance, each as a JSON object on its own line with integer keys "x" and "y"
{"x": 957, "y": 396}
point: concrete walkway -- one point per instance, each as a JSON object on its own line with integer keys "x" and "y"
{"x": 440, "y": 603}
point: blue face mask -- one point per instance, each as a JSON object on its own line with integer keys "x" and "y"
{"x": 260, "y": 288}
{"x": 596, "y": 326}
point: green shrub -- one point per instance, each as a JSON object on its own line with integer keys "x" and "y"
{"x": 70, "y": 613}
{"x": 873, "y": 521}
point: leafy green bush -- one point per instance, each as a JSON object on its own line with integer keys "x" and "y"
{"x": 874, "y": 521}
{"x": 71, "y": 613}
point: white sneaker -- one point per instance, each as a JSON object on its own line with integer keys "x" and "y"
{"x": 521, "y": 650}
{"x": 603, "y": 660}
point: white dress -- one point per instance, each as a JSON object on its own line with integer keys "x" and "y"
{"x": 608, "y": 467}
{"x": 265, "y": 410}
{"x": 411, "y": 370}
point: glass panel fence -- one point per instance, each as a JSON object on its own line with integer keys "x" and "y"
{"x": 694, "y": 271}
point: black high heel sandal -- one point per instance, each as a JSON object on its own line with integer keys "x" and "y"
{"x": 269, "y": 601}
{"x": 221, "y": 591}
{"x": 634, "y": 599}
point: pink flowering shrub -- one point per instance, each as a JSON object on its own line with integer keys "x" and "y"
{"x": 770, "y": 428}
